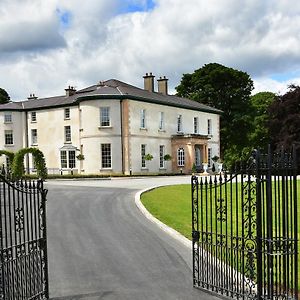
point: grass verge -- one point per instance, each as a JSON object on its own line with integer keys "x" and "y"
{"x": 172, "y": 206}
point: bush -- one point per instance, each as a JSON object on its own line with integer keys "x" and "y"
{"x": 39, "y": 161}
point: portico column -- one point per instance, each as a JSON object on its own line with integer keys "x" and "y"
{"x": 205, "y": 156}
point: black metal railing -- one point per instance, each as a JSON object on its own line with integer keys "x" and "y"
{"x": 244, "y": 229}
{"x": 23, "y": 242}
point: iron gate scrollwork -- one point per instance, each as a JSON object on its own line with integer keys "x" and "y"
{"x": 244, "y": 229}
{"x": 23, "y": 240}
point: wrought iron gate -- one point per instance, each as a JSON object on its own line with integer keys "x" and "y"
{"x": 244, "y": 229}
{"x": 23, "y": 243}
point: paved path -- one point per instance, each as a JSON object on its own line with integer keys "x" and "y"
{"x": 102, "y": 247}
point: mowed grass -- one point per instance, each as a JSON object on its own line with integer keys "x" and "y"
{"x": 172, "y": 206}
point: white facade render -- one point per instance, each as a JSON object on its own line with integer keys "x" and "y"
{"x": 113, "y": 125}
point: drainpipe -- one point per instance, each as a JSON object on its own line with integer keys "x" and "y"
{"x": 122, "y": 137}
{"x": 26, "y": 141}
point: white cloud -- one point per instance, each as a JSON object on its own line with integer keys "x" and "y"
{"x": 30, "y": 36}
{"x": 263, "y": 84}
{"x": 28, "y": 26}
{"x": 176, "y": 37}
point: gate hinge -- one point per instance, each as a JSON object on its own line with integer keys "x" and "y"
{"x": 195, "y": 236}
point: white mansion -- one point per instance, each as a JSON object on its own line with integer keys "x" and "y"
{"x": 114, "y": 126}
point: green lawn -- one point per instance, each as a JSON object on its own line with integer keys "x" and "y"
{"x": 172, "y": 206}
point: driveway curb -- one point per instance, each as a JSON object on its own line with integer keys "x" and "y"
{"x": 172, "y": 232}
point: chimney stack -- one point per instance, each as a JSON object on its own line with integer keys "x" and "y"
{"x": 149, "y": 82}
{"x": 70, "y": 91}
{"x": 163, "y": 85}
{"x": 32, "y": 97}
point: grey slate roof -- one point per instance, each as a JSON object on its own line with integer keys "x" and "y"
{"x": 110, "y": 89}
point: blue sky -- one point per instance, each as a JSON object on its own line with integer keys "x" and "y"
{"x": 125, "y": 7}
{"x": 80, "y": 42}
{"x": 65, "y": 18}
{"x": 136, "y": 6}
{"x": 285, "y": 76}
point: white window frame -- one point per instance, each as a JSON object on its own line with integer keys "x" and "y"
{"x": 34, "y": 137}
{"x": 209, "y": 127}
{"x": 180, "y": 157}
{"x": 161, "y": 156}
{"x": 105, "y": 116}
{"x": 196, "y": 125}
{"x": 143, "y": 153}
{"x": 143, "y": 118}
{"x": 8, "y": 117}
{"x": 9, "y": 137}
{"x": 161, "y": 125}
{"x": 33, "y": 116}
{"x": 179, "y": 123}
{"x": 72, "y": 159}
{"x": 68, "y": 159}
{"x": 63, "y": 159}
{"x": 106, "y": 159}
{"x": 68, "y": 134}
{"x": 67, "y": 113}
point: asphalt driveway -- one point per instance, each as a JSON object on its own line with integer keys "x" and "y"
{"x": 100, "y": 246}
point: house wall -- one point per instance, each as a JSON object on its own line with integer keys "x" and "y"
{"x": 125, "y": 139}
{"x": 152, "y": 136}
{"x": 50, "y": 125}
{"x": 92, "y": 135}
{"x": 18, "y": 127}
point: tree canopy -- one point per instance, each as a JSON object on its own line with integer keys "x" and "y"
{"x": 259, "y": 136}
{"x": 4, "y": 97}
{"x": 228, "y": 90}
{"x": 284, "y": 119}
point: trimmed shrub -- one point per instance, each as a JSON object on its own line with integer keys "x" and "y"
{"x": 39, "y": 161}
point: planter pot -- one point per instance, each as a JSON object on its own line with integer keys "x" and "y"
{"x": 205, "y": 168}
{"x": 220, "y": 167}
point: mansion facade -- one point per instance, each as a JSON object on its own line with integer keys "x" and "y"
{"x": 111, "y": 127}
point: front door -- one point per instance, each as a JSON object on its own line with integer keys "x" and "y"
{"x": 198, "y": 158}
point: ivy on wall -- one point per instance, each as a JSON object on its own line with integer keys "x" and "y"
{"x": 17, "y": 162}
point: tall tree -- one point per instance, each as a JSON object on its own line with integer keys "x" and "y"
{"x": 259, "y": 136}
{"x": 284, "y": 123}
{"x": 226, "y": 89}
{"x": 4, "y": 97}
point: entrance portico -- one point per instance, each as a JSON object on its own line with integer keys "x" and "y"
{"x": 189, "y": 149}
